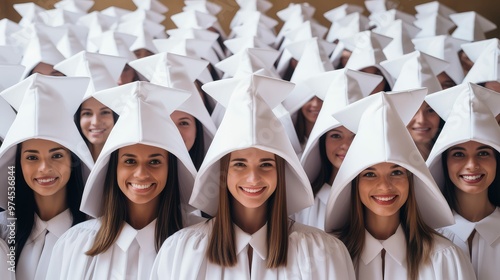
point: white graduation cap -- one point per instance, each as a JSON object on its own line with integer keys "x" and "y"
{"x": 253, "y": 27}
{"x": 144, "y": 110}
{"x": 255, "y": 5}
{"x": 179, "y": 72}
{"x": 9, "y": 55}
{"x": 249, "y": 60}
{"x": 103, "y": 70}
{"x": 347, "y": 26}
{"x": 76, "y": 6}
{"x": 377, "y": 6}
{"x": 401, "y": 33}
{"x": 338, "y": 89}
{"x": 7, "y": 27}
{"x": 153, "y": 5}
{"x": 41, "y": 45}
{"x": 29, "y": 13}
{"x": 117, "y": 44}
{"x": 341, "y": 11}
{"x": 433, "y": 25}
{"x": 471, "y": 26}
{"x": 139, "y": 15}
{"x": 250, "y": 122}
{"x": 379, "y": 122}
{"x": 446, "y": 48}
{"x": 242, "y": 16}
{"x": 367, "y": 51}
{"x": 433, "y": 7}
{"x": 293, "y": 9}
{"x": 239, "y": 44}
{"x": 97, "y": 23}
{"x": 381, "y": 20}
{"x": 210, "y": 37}
{"x": 469, "y": 112}
{"x": 74, "y": 40}
{"x": 7, "y": 114}
{"x": 115, "y": 12}
{"x": 145, "y": 31}
{"x": 485, "y": 55}
{"x": 415, "y": 70}
{"x": 197, "y": 20}
{"x": 11, "y": 75}
{"x": 202, "y": 6}
{"x": 58, "y": 17}
{"x": 45, "y": 106}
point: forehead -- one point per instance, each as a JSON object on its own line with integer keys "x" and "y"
{"x": 40, "y": 144}
{"x": 251, "y": 153}
{"x": 470, "y": 145}
{"x": 141, "y": 149}
{"x": 177, "y": 115}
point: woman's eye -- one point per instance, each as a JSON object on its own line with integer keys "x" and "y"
{"x": 86, "y": 114}
{"x": 369, "y": 174}
{"x": 31, "y": 158}
{"x": 430, "y": 110}
{"x": 129, "y": 161}
{"x": 266, "y": 164}
{"x": 57, "y": 155}
{"x": 398, "y": 172}
{"x": 155, "y": 162}
{"x": 106, "y": 112}
{"x": 183, "y": 124}
{"x": 239, "y": 164}
{"x": 458, "y": 154}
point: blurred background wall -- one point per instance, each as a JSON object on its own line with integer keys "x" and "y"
{"x": 487, "y": 8}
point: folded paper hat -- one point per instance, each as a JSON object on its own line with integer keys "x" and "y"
{"x": 10, "y": 55}
{"x": 117, "y": 44}
{"x": 140, "y": 15}
{"x": 250, "y": 122}
{"x": 338, "y": 89}
{"x": 58, "y": 17}
{"x": 144, "y": 110}
{"x": 45, "y": 106}
{"x": 209, "y": 36}
{"x": 342, "y": 11}
{"x": 179, "y": 72}
{"x": 401, "y": 34}
{"x": 377, "y": 6}
{"x": 115, "y": 12}
{"x": 446, "y": 48}
{"x": 471, "y": 26}
{"x": 11, "y": 75}
{"x": 239, "y": 44}
{"x": 153, "y": 5}
{"x": 7, "y": 27}
{"x": 433, "y": 7}
{"x": 145, "y": 31}
{"x": 97, "y": 23}
{"x": 433, "y": 25}
{"x": 254, "y": 26}
{"x": 379, "y": 122}
{"x": 76, "y": 6}
{"x": 243, "y": 16}
{"x": 367, "y": 51}
{"x": 469, "y": 112}
{"x": 485, "y": 55}
{"x": 347, "y": 26}
{"x": 202, "y": 6}
{"x": 103, "y": 70}
{"x": 383, "y": 19}
{"x": 255, "y": 5}
{"x": 74, "y": 40}
{"x": 29, "y": 13}
{"x": 415, "y": 70}
{"x": 197, "y": 20}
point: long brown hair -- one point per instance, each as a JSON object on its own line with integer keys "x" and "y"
{"x": 418, "y": 235}
{"x": 325, "y": 170}
{"x": 169, "y": 218}
{"x": 221, "y": 249}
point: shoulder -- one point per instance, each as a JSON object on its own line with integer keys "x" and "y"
{"x": 301, "y": 232}
{"x": 442, "y": 244}
{"x": 83, "y": 232}
{"x": 195, "y": 232}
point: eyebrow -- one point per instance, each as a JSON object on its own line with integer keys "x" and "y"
{"x": 150, "y": 156}
{"x": 478, "y": 148}
{"x": 245, "y": 160}
{"x": 50, "y": 151}
{"x": 392, "y": 167}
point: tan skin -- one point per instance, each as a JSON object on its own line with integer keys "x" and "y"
{"x": 374, "y": 70}
{"x": 46, "y": 69}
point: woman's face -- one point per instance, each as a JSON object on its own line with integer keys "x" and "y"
{"x": 186, "y": 125}
{"x": 96, "y": 121}
{"x": 46, "y": 167}
{"x": 374, "y": 70}
{"x": 141, "y": 53}
{"x": 142, "y": 173}
{"x": 311, "y": 109}
{"x": 383, "y": 189}
{"x": 337, "y": 142}
{"x": 128, "y": 75}
{"x": 252, "y": 176}
{"x": 471, "y": 167}
{"x": 424, "y": 125}
{"x": 46, "y": 69}
{"x": 445, "y": 80}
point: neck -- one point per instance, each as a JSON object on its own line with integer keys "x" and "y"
{"x": 334, "y": 174}
{"x": 95, "y": 150}
{"x": 381, "y": 227}
{"x": 141, "y": 215}
{"x": 474, "y": 207}
{"x": 424, "y": 149}
{"x": 250, "y": 220}
{"x": 50, "y": 206}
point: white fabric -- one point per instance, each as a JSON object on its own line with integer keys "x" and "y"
{"x": 5, "y": 268}
{"x": 314, "y": 216}
{"x": 35, "y": 256}
{"x": 446, "y": 260}
{"x": 312, "y": 254}
{"x": 485, "y": 244}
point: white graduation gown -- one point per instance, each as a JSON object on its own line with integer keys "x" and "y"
{"x": 314, "y": 216}
{"x": 446, "y": 260}
{"x": 37, "y": 250}
{"x": 312, "y": 254}
{"x": 6, "y": 269}
{"x": 485, "y": 255}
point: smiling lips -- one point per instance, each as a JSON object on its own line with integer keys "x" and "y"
{"x": 46, "y": 181}
{"x": 384, "y": 199}
{"x": 421, "y": 129}
{"x": 253, "y": 191}
{"x": 141, "y": 186}
{"x": 472, "y": 179}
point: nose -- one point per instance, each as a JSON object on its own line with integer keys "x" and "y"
{"x": 141, "y": 172}
{"x": 472, "y": 164}
{"x": 384, "y": 183}
{"x": 316, "y": 102}
{"x": 419, "y": 116}
{"x": 253, "y": 176}
{"x": 44, "y": 166}
{"x": 95, "y": 119}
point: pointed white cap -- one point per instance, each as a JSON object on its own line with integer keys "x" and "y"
{"x": 202, "y": 6}
{"x": 248, "y": 61}
{"x": 342, "y": 11}
{"x": 415, "y": 70}
{"x": 469, "y": 112}
{"x": 45, "y": 106}
{"x": 255, "y": 5}
{"x": 29, "y": 13}
{"x": 242, "y": 16}
{"x": 11, "y": 75}
{"x": 179, "y": 72}
{"x": 338, "y": 89}
{"x": 97, "y": 23}
{"x": 239, "y": 44}
{"x": 144, "y": 110}
{"x": 293, "y": 9}
{"x": 117, "y": 44}
{"x": 347, "y": 26}
{"x": 381, "y": 20}
{"x": 433, "y": 25}
{"x": 376, "y": 6}
{"x": 153, "y": 5}
{"x": 9, "y": 55}
{"x": 74, "y": 40}
{"x": 57, "y": 17}
{"x": 103, "y": 70}
{"x": 76, "y": 6}
{"x": 485, "y": 55}
{"x": 115, "y": 12}
{"x": 471, "y": 26}
{"x": 145, "y": 31}
{"x": 7, "y": 114}
{"x": 433, "y": 7}
{"x": 250, "y": 122}
{"x": 379, "y": 122}
{"x": 7, "y": 27}
{"x": 194, "y": 19}
{"x": 401, "y": 33}
{"x": 253, "y": 27}
{"x": 139, "y": 15}
{"x": 446, "y": 48}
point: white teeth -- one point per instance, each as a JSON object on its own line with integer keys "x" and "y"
{"x": 421, "y": 128}
{"x": 249, "y": 190}
{"x": 140, "y": 187}
{"x": 96, "y": 130}
{"x": 471, "y": 178}
{"x": 43, "y": 181}
{"x": 385, "y": 198}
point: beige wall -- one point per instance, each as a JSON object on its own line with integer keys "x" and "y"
{"x": 488, "y": 8}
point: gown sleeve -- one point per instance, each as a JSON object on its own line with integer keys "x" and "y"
{"x": 6, "y": 268}
{"x": 68, "y": 260}
{"x": 449, "y": 262}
